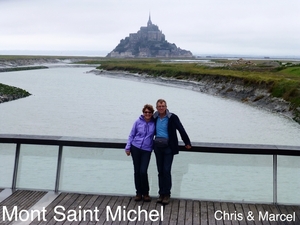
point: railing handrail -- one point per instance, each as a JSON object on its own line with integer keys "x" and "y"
{"x": 201, "y": 147}
{"x": 204, "y": 147}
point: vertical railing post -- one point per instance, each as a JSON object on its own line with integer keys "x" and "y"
{"x": 274, "y": 179}
{"x": 15, "y": 174}
{"x": 58, "y": 170}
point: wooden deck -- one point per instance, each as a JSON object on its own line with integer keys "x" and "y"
{"x": 73, "y": 208}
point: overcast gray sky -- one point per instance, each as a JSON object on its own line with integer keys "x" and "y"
{"x": 253, "y": 27}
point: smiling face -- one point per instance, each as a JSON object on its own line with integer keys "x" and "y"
{"x": 147, "y": 112}
{"x": 161, "y": 107}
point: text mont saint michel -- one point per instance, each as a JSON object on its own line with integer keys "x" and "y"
{"x": 121, "y": 213}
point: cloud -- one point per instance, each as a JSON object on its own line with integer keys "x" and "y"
{"x": 207, "y": 26}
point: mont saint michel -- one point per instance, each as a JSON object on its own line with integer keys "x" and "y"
{"x": 148, "y": 42}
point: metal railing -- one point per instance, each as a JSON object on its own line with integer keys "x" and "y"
{"x": 199, "y": 147}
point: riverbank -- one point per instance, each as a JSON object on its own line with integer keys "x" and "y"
{"x": 22, "y": 68}
{"x": 269, "y": 84}
{"x": 255, "y": 83}
{"x": 10, "y": 93}
{"x": 12, "y": 61}
{"x": 257, "y": 95}
{"x": 19, "y": 63}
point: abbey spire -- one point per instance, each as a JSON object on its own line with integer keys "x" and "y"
{"x": 149, "y": 21}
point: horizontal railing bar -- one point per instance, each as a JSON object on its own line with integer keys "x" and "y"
{"x": 242, "y": 149}
{"x": 64, "y": 141}
{"x": 203, "y": 147}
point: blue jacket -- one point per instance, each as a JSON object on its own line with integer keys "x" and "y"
{"x": 141, "y": 135}
{"x": 173, "y": 125}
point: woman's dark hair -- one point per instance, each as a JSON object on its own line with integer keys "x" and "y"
{"x": 149, "y": 107}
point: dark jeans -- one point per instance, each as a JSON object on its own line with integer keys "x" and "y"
{"x": 141, "y": 159}
{"x": 164, "y": 160}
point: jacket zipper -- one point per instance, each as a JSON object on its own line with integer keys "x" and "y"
{"x": 144, "y": 136}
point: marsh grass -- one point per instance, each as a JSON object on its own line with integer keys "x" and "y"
{"x": 283, "y": 82}
{"x": 12, "y": 91}
{"x": 22, "y": 68}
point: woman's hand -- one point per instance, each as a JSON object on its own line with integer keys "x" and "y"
{"x": 127, "y": 152}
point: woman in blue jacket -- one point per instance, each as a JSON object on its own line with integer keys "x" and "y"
{"x": 140, "y": 146}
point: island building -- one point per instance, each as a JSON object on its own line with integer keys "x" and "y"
{"x": 148, "y": 42}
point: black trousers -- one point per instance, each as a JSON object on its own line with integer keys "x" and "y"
{"x": 141, "y": 159}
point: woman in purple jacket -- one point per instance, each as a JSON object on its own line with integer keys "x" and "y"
{"x": 140, "y": 146}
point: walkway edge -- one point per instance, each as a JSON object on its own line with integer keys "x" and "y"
{"x": 5, "y": 194}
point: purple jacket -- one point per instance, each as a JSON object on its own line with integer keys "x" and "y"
{"x": 141, "y": 135}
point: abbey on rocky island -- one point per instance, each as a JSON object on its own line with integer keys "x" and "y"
{"x": 148, "y": 42}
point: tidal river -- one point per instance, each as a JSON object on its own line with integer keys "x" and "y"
{"x": 68, "y": 101}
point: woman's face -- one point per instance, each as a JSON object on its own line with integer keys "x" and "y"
{"x": 147, "y": 114}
